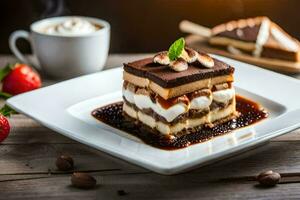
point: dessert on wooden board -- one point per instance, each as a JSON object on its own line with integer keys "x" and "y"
{"x": 258, "y": 36}
{"x": 256, "y": 40}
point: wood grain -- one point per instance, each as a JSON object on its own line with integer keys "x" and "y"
{"x": 27, "y": 168}
{"x": 207, "y": 182}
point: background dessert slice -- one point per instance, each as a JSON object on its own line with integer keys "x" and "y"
{"x": 258, "y": 36}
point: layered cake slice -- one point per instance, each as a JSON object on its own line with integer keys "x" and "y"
{"x": 178, "y": 91}
{"x": 258, "y": 36}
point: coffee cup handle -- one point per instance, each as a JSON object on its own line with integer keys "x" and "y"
{"x": 13, "y": 45}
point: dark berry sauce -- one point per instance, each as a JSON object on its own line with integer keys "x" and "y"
{"x": 250, "y": 113}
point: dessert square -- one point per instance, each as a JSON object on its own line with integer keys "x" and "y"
{"x": 174, "y": 97}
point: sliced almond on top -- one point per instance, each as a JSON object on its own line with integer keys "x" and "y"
{"x": 179, "y": 65}
{"x": 206, "y": 60}
{"x": 192, "y": 55}
{"x": 162, "y": 58}
{"x": 189, "y": 55}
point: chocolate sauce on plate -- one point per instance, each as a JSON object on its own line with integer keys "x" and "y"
{"x": 250, "y": 113}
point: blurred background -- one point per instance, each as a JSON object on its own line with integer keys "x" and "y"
{"x": 144, "y": 25}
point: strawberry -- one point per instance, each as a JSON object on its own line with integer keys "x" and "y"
{"x": 5, "y": 111}
{"x": 4, "y": 128}
{"x": 15, "y": 79}
{"x": 19, "y": 78}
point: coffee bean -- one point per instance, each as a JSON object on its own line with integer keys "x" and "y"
{"x": 83, "y": 180}
{"x": 268, "y": 178}
{"x": 64, "y": 163}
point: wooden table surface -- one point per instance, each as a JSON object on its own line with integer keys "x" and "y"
{"x": 27, "y": 167}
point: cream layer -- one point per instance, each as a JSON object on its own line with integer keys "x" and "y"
{"x": 167, "y": 129}
{"x": 171, "y": 113}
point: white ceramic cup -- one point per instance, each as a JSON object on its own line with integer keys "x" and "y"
{"x": 64, "y": 56}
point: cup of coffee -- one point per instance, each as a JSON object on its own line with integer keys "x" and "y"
{"x": 66, "y": 46}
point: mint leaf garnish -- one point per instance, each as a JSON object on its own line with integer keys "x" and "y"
{"x": 4, "y": 71}
{"x": 176, "y": 49}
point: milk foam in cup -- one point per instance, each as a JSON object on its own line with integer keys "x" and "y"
{"x": 74, "y": 26}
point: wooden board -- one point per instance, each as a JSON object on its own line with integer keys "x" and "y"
{"x": 200, "y": 43}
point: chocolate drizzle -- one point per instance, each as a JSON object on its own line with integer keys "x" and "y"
{"x": 250, "y": 113}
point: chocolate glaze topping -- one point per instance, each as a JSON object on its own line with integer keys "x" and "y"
{"x": 167, "y": 78}
{"x": 247, "y": 34}
{"x": 243, "y": 29}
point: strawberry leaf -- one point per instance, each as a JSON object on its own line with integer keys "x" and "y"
{"x": 7, "y": 111}
{"x": 4, "y": 71}
{"x": 5, "y": 95}
{"x": 176, "y": 49}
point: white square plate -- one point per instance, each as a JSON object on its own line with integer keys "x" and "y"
{"x": 66, "y": 108}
